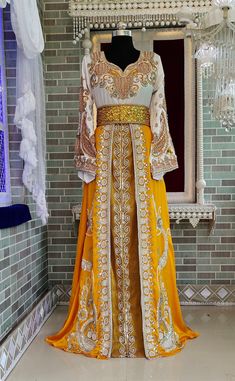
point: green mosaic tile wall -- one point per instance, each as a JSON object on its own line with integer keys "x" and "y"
{"x": 23, "y": 249}
{"x": 62, "y": 76}
{"x": 200, "y": 258}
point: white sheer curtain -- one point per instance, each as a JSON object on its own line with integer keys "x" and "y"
{"x": 30, "y": 105}
{"x": 3, "y": 3}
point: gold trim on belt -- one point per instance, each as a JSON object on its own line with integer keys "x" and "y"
{"x": 133, "y": 114}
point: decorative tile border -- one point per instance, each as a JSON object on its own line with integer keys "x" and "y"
{"x": 189, "y": 294}
{"x": 18, "y": 341}
{"x": 207, "y": 294}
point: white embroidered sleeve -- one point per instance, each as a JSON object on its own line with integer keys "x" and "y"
{"x": 85, "y": 151}
{"x": 162, "y": 155}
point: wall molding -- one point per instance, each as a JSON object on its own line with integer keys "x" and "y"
{"x": 194, "y": 213}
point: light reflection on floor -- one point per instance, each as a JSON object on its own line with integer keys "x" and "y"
{"x": 210, "y": 357}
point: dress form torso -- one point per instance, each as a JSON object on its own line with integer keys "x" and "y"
{"x": 122, "y": 52}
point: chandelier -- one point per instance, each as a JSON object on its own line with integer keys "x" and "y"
{"x": 215, "y": 51}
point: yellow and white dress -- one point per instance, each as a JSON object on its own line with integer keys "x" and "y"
{"x": 124, "y": 300}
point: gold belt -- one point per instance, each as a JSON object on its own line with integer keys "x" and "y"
{"x": 134, "y": 114}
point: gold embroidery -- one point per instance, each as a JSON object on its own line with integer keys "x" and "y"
{"x": 164, "y": 336}
{"x": 163, "y": 154}
{"x": 123, "y": 114}
{"x": 84, "y": 338}
{"x": 101, "y": 236}
{"x": 160, "y": 143}
{"x": 85, "y": 151}
{"x": 84, "y": 95}
{"x": 168, "y": 338}
{"x": 123, "y": 84}
{"x": 121, "y": 232}
{"x": 86, "y": 265}
{"x": 90, "y": 220}
{"x": 145, "y": 240}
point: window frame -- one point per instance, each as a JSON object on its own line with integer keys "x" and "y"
{"x": 144, "y": 41}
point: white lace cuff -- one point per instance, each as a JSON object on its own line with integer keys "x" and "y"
{"x": 86, "y": 176}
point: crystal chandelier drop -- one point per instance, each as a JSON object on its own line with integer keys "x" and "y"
{"x": 206, "y": 54}
{"x": 216, "y": 54}
{"x": 224, "y": 3}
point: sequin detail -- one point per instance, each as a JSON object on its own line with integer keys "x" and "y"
{"x": 84, "y": 338}
{"x": 121, "y": 232}
{"x": 145, "y": 240}
{"x": 102, "y": 241}
{"x": 123, "y": 114}
{"x": 122, "y": 84}
{"x": 168, "y": 338}
{"x": 86, "y": 265}
{"x": 163, "y": 157}
{"x": 85, "y": 151}
{"x": 90, "y": 221}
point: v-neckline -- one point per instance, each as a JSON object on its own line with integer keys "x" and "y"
{"x": 118, "y": 67}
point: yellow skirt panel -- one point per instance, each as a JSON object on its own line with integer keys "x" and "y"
{"x": 124, "y": 300}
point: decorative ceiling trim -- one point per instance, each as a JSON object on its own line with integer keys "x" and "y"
{"x": 79, "y": 8}
{"x": 101, "y": 15}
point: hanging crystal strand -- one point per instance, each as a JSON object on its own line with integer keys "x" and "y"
{"x": 212, "y": 83}
{"x": 85, "y": 24}
{"x": 218, "y": 83}
{"x": 233, "y": 74}
{"x": 79, "y": 28}
{"x": 228, "y": 77}
{"x": 224, "y": 69}
{"x": 82, "y": 26}
{"x": 231, "y": 81}
{"x": 136, "y": 21}
{"x": 74, "y": 31}
{"x": 76, "y": 28}
{"x": 210, "y": 92}
{"x": 216, "y": 101}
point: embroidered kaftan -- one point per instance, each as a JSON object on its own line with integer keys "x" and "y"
{"x": 124, "y": 300}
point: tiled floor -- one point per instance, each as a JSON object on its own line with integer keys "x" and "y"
{"x": 210, "y": 357}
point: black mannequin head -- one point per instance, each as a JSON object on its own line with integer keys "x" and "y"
{"x": 121, "y": 51}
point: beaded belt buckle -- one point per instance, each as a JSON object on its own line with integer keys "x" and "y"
{"x": 133, "y": 114}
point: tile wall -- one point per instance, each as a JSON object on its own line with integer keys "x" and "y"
{"x": 201, "y": 259}
{"x": 23, "y": 249}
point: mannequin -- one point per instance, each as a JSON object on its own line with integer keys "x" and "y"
{"x": 124, "y": 300}
{"x": 122, "y": 52}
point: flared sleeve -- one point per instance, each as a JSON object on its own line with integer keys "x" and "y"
{"x": 85, "y": 151}
{"x": 162, "y": 155}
